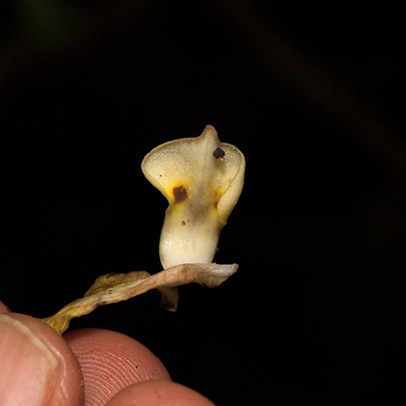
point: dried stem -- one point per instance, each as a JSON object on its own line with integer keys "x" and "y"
{"x": 114, "y": 288}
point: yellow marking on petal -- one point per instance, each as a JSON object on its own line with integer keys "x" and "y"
{"x": 178, "y": 192}
{"x": 218, "y": 192}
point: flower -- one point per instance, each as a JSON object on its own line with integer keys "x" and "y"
{"x": 202, "y": 180}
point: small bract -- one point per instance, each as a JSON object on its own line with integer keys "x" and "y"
{"x": 202, "y": 180}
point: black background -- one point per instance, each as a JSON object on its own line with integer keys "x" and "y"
{"x": 314, "y": 98}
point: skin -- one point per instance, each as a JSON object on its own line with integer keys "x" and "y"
{"x": 91, "y": 367}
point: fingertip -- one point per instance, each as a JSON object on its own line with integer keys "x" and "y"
{"x": 159, "y": 393}
{"x": 3, "y": 308}
{"x": 111, "y": 361}
{"x": 37, "y": 364}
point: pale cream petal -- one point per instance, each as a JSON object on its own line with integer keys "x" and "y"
{"x": 202, "y": 188}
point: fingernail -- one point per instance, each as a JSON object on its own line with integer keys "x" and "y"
{"x": 28, "y": 369}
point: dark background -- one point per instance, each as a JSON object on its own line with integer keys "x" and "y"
{"x": 313, "y": 96}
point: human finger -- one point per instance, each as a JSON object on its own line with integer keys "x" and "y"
{"x": 111, "y": 361}
{"x": 3, "y": 308}
{"x": 37, "y": 366}
{"x": 159, "y": 393}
